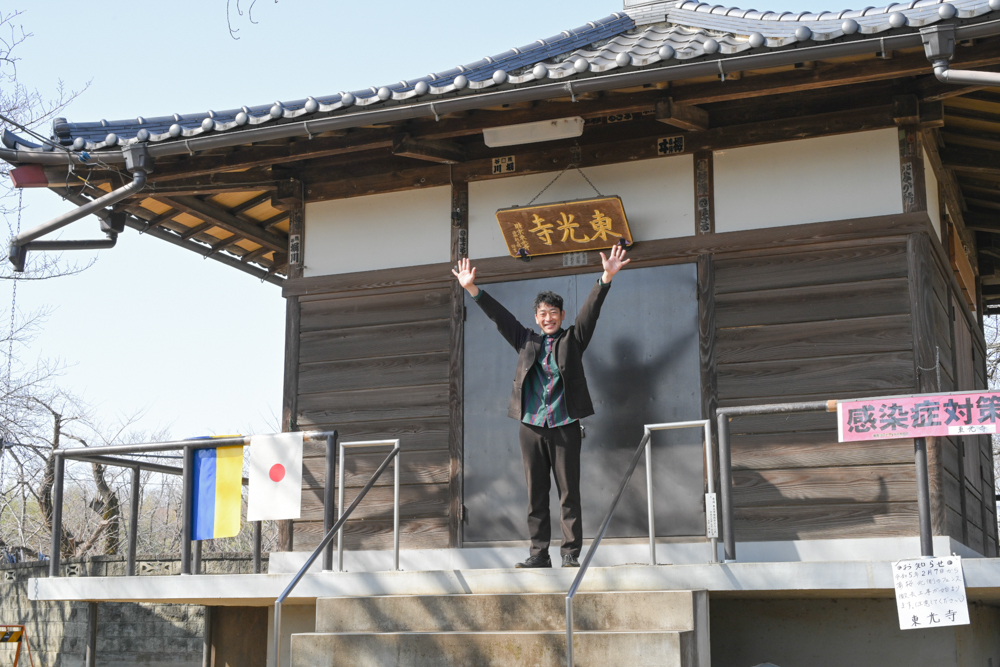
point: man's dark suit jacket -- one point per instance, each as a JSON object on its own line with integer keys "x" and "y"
{"x": 569, "y": 347}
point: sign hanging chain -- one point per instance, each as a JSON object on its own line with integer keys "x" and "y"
{"x": 575, "y": 164}
{"x": 7, "y": 439}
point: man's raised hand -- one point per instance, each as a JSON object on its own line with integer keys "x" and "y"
{"x": 614, "y": 263}
{"x": 466, "y": 276}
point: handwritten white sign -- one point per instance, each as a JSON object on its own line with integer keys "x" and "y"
{"x": 930, "y": 592}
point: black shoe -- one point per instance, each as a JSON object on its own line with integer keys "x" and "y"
{"x": 541, "y": 560}
{"x": 569, "y": 560}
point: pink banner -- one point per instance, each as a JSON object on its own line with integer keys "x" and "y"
{"x": 918, "y": 416}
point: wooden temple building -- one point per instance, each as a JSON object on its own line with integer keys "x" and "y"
{"x": 815, "y": 214}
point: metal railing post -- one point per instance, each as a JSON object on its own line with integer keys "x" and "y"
{"x": 133, "y": 524}
{"x": 340, "y": 510}
{"x": 329, "y": 503}
{"x": 923, "y": 496}
{"x": 188, "y": 490}
{"x": 395, "y": 510}
{"x": 726, "y": 489}
{"x": 196, "y": 564}
{"x": 710, "y": 502}
{"x": 59, "y": 465}
{"x": 257, "y": 539}
{"x": 649, "y": 497}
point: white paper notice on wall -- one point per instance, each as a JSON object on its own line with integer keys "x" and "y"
{"x": 930, "y": 592}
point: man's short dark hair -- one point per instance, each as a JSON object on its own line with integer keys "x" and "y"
{"x": 549, "y": 299}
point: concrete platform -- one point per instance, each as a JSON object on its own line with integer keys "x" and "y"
{"x": 827, "y": 579}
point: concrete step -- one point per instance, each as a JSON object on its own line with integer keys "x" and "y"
{"x": 634, "y": 611}
{"x": 496, "y": 649}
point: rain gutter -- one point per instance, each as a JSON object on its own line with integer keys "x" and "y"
{"x": 138, "y": 164}
{"x": 728, "y": 65}
{"x": 939, "y": 45}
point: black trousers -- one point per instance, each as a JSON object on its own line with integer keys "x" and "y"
{"x": 547, "y": 452}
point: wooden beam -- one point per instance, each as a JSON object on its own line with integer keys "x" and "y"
{"x": 167, "y": 215}
{"x": 949, "y": 186}
{"x": 253, "y": 202}
{"x": 260, "y": 156}
{"x": 226, "y": 221}
{"x": 274, "y": 220}
{"x": 211, "y": 183}
{"x": 444, "y": 152}
{"x": 929, "y": 89}
{"x": 984, "y": 203}
{"x": 197, "y": 229}
{"x": 975, "y": 138}
{"x": 906, "y": 110}
{"x": 343, "y": 183}
{"x": 254, "y": 254}
{"x": 684, "y": 116}
{"x": 972, "y": 160}
{"x": 982, "y": 221}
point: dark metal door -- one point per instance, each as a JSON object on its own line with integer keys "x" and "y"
{"x": 642, "y": 367}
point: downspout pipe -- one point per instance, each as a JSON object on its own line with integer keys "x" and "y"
{"x": 138, "y": 163}
{"x": 939, "y": 45}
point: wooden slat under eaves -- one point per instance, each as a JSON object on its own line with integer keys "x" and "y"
{"x": 376, "y": 367}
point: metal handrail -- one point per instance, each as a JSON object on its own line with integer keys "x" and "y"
{"x": 645, "y": 446}
{"x": 101, "y": 455}
{"x": 335, "y": 530}
{"x": 724, "y": 415}
{"x": 596, "y": 543}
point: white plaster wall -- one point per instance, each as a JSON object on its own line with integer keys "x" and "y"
{"x": 658, "y": 196}
{"x": 378, "y": 232}
{"x": 809, "y": 180}
{"x": 933, "y": 203}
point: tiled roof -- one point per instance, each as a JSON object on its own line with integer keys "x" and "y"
{"x": 684, "y": 30}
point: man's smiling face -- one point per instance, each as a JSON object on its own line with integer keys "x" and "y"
{"x": 549, "y": 318}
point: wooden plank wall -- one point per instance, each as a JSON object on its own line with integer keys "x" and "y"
{"x": 804, "y": 324}
{"x": 376, "y": 366}
{"x": 870, "y": 317}
{"x": 966, "y": 470}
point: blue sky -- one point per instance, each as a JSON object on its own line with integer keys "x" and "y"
{"x": 193, "y": 344}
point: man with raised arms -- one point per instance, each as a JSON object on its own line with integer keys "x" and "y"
{"x": 549, "y": 398}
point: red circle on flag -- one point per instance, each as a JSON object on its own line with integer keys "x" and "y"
{"x": 277, "y": 472}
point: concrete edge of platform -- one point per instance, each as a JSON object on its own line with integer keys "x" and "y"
{"x": 789, "y": 579}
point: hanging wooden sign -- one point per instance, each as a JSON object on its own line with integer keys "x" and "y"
{"x": 570, "y": 226}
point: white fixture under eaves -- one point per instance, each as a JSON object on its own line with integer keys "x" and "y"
{"x": 529, "y": 133}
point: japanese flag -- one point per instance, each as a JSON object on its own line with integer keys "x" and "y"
{"x": 275, "y": 477}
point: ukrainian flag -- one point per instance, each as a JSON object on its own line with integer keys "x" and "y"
{"x": 218, "y": 485}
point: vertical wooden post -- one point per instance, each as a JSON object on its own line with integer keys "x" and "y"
{"x": 293, "y": 311}
{"x": 706, "y": 336}
{"x": 919, "y": 267}
{"x": 911, "y": 170}
{"x": 704, "y": 192}
{"x": 706, "y": 346}
{"x": 456, "y": 363}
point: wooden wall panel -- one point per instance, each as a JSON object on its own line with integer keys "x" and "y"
{"x": 820, "y": 324}
{"x": 238, "y": 636}
{"x": 377, "y": 367}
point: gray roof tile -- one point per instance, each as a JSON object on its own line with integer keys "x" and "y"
{"x": 691, "y": 29}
